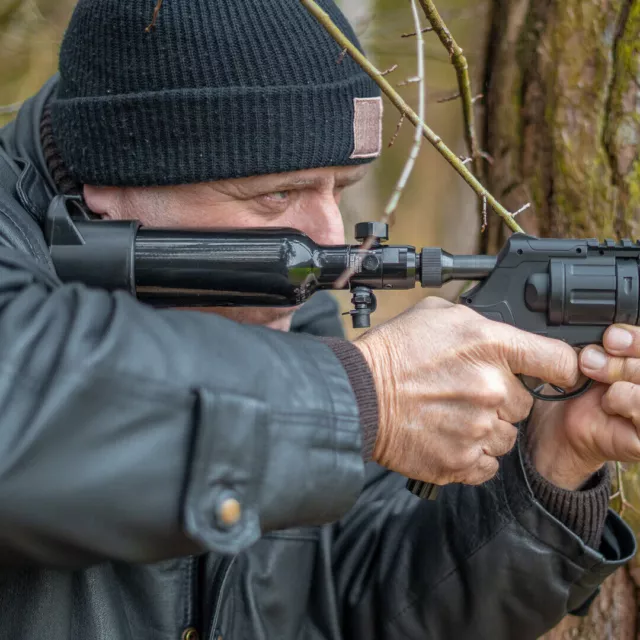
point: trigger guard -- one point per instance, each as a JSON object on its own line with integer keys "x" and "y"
{"x": 561, "y": 398}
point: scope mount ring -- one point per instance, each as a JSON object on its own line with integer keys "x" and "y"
{"x": 563, "y": 395}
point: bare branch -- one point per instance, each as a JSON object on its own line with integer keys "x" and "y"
{"x": 521, "y": 209}
{"x": 486, "y": 156}
{"x": 411, "y": 80}
{"x": 455, "y": 96}
{"x": 389, "y": 70}
{"x": 620, "y": 493}
{"x": 395, "y": 135}
{"x": 410, "y": 35}
{"x": 403, "y": 107}
{"x": 392, "y": 205}
{"x": 484, "y": 215}
{"x": 417, "y": 140}
{"x": 156, "y": 11}
{"x": 462, "y": 73}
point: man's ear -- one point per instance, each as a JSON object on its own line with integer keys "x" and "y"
{"x": 102, "y": 201}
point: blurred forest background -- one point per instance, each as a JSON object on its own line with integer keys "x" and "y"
{"x": 543, "y": 118}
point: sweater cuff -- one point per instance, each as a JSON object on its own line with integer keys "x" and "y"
{"x": 363, "y": 387}
{"x": 583, "y": 511}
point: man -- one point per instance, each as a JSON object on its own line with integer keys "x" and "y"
{"x": 171, "y": 474}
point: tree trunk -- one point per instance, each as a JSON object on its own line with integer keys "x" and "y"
{"x": 562, "y": 124}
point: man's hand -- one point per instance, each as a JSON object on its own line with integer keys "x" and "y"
{"x": 572, "y": 440}
{"x": 447, "y": 391}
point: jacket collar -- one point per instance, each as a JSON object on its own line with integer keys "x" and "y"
{"x": 21, "y": 139}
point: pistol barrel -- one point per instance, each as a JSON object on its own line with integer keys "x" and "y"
{"x": 438, "y": 267}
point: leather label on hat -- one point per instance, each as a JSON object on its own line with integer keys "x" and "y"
{"x": 367, "y": 127}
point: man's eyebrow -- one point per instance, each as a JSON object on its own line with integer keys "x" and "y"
{"x": 296, "y": 183}
{"x": 290, "y": 183}
{"x": 284, "y": 184}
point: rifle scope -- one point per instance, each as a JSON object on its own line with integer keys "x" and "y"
{"x": 241, "y": 267}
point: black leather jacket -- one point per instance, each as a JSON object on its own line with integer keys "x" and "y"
{"x": 122, "y": 429}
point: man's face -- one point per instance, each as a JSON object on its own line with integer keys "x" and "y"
{"x": 306, "y": 200}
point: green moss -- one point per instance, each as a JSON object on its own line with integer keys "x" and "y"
{"x": 578, "y": 75}
{"x": 622, "y": 135}
{"x": 632, "y": 182}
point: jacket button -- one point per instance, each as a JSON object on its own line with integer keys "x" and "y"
{"x": 229, "y": 512}
{"x": 190, "y": 634}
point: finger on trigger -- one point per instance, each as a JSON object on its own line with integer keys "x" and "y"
{"x": 540, "y": 357}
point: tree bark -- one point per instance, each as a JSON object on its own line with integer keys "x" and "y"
{"x": 562, "y": 124}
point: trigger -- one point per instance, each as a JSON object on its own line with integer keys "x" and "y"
{"x": 559, "y": 398}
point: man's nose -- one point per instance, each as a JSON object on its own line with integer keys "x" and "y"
{"x": 322, "y": 220}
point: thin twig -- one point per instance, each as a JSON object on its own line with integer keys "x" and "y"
{"x": 389, "y": 70}
{"x": 455, "y": 96}
{"x": 395, "y": 135}
{"x": 403, "y": 107}
{"x": 462, "y": 72}
{"x": 392, "y": 205}
{"x": 156, "y": 11}
{"x": 484, "y": 215}
{"x": 410, "y": 35}
{"x": 10, "y": 108}
{"x": 343, "y": 53}
{"x": 624, "y": 503}
{"x": 411, "y": 80}
{"x": 520, "y": 210}
{"x": 486, "y": 156}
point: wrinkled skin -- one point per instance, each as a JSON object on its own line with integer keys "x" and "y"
{"x": 449, "y": 403}
{"x": 445, "y": 377}
{"x": 305, "y": 200}
{"x": 573, "y": 439}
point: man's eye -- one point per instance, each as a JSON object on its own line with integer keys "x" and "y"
{"x": 278, "y": 195}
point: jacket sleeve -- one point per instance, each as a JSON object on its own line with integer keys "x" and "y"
{"x": 124, "y": 430}
{"x": 483, "y": 562}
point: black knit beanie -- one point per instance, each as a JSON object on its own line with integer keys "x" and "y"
{"x": 216, "y": 89}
